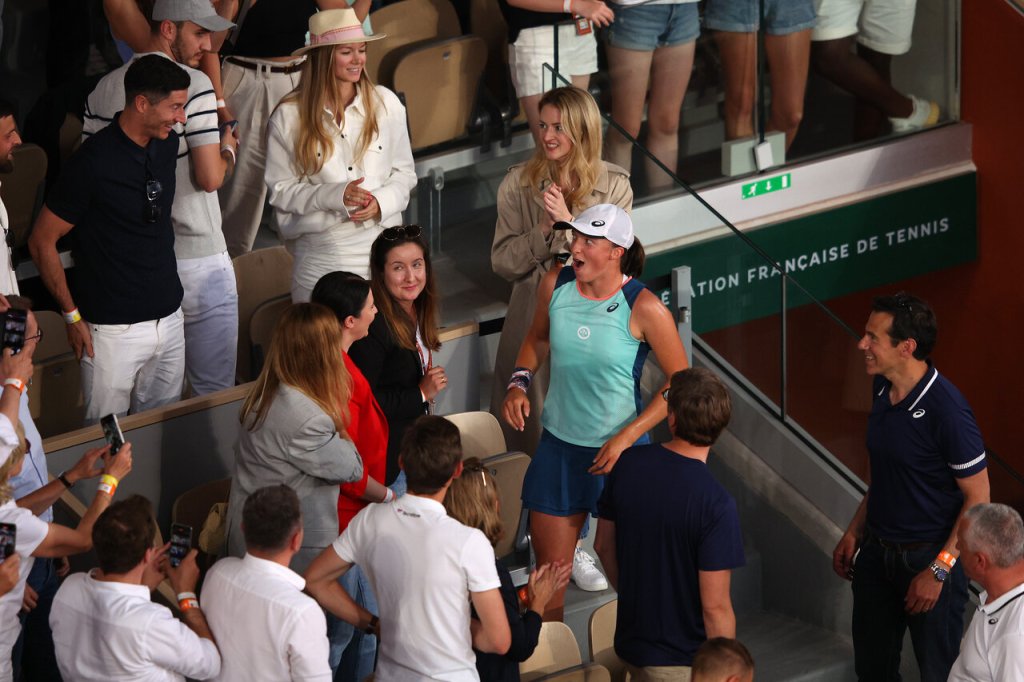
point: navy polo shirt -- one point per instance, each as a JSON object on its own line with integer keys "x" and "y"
{"x": 918, "y": 448}
{"x": 672, "y": 520}
{"x": 125, "y": 270}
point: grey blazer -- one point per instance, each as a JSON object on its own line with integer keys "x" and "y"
{"x": 297, "y": 445}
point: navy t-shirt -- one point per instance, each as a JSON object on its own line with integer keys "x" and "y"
{"x": 918, "y": 448}
{"x": 672, "y": 520}
{"x": 125, "y": 270}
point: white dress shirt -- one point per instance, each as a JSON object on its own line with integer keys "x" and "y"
{"x": 993, "y": 648}
{"x": 113, "y": 631}
{"x": 310, "y": 210}
{"x": 266, "y": 628}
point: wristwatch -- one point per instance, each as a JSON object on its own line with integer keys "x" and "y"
{"x": 940, "y": 571}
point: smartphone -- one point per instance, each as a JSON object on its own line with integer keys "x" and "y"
{"x": 181, "y": 543}
{"x": 112, "y": 432}
{"x": 232, "y": 125}
{"x": 14, "y": 323}
{"x": 8, "y": 534}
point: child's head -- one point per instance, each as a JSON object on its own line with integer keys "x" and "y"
{"x": 472, "y": 500}
{"x": 721, "y": 659}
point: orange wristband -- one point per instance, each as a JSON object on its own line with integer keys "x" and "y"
{"x": 946, "y": 558}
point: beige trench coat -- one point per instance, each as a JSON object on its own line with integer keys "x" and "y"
{"x": 522, "y": 254}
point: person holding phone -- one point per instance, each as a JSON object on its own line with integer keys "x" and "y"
{"x": 397, "y": 356}
{"x": 339, "y": 161}
{"x": 37, "y": 538}
{"x": 106, "y": 625}
{"x": 294, "y": 429}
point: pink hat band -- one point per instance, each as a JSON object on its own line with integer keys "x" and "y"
{"x": 334, "y": 34}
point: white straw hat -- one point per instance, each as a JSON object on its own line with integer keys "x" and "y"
{"x": 335, "y": 27}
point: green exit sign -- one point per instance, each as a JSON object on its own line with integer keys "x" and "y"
{"x": 766, "y": 186}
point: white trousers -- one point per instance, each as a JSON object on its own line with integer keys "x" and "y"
{"x": 210, "y": 306}
{"x": 251, "y": 94}
{"x": 135, "y": 367}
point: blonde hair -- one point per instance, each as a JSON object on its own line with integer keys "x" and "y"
{"x": 472, "y": 500}
{"x": 318, "y": 90}
{"x": 15, "y": 459}
{"x": 581, "y": 122}
{"x": 305, "y": 353}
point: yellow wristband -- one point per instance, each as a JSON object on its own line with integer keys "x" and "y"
{"x": 72, "y": 316}
{"x": 108, "y": 484}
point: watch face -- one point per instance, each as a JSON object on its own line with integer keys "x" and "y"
{"x": 940, "y": 573}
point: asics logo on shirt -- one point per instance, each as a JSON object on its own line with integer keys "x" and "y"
{"x": 612, "y": 307}
{"x": 918, "y": 414}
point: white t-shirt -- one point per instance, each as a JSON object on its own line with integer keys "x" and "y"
{"x": 993, "y": 648}
{"x": 423, "y": 565}
{"x": 114, "y": 631}
{"x": 30, "y": 533}
{"x": 265, "y": 626}
{"x": 195, "y": 214}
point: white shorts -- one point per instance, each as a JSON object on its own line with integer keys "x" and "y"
{"x": 535, "y": 47}
{"x": 881, "y": 25}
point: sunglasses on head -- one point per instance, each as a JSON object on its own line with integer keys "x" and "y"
{"x": 404, "y": 232}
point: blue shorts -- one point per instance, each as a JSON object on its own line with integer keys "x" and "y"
{"x": 557, "y": 481}
{"x": 740, "y": 16}
{"x": 647, "y": 27}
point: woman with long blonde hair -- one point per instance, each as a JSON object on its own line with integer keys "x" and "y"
{"x": 565, "y": 176}
{"x": 339, "y": 161}
{"x": 293, "y": 428}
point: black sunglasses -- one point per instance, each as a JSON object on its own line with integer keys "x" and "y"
{"x": 153, "y": 191}
{"x": 403, "y": 232}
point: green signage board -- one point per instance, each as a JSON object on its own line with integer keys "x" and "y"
{"x": 766, "y": 186}
{"x": 832, "y": 253}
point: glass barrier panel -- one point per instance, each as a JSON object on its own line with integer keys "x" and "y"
{"x": 828, "y": 391}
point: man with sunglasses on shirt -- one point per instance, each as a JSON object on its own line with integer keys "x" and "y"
{"x": 123, "y": 308}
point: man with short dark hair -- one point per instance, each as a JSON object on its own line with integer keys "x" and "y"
{"x": 105, "y": 625}
{"x": 116, "y": 194}
{"x": 927, "y": 467}
{"x": 9, "y": 139}
{"x": 669, "y": 536}
{"x": 180, "y": 30}
{"x": 265, "y": 626}
{"x": 721, "y": 659}
{"x": 991, "y": 547}
{"x": 421, "y": 562}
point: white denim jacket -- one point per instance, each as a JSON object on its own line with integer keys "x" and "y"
{"x": 310, "y": 211}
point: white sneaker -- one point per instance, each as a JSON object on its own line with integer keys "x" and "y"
{"x": 586, "y": 574}
{"x": 925, "y": 114}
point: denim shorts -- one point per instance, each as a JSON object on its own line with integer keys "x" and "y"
{"x": 647, "y": 27}
{"x": 740, "y": 16}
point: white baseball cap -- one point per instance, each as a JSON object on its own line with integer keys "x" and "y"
{"x": 603, "y": 220}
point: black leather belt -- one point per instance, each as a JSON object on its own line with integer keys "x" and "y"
{"x": 291, "y": 68}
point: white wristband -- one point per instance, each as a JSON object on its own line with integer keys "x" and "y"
{"x": 567, "y": 6}
{"x": 187, "y": 595}
{"x": 229, "y": 150}
{"x": 221, "y": 104}
{"x": 72, "y": 316}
